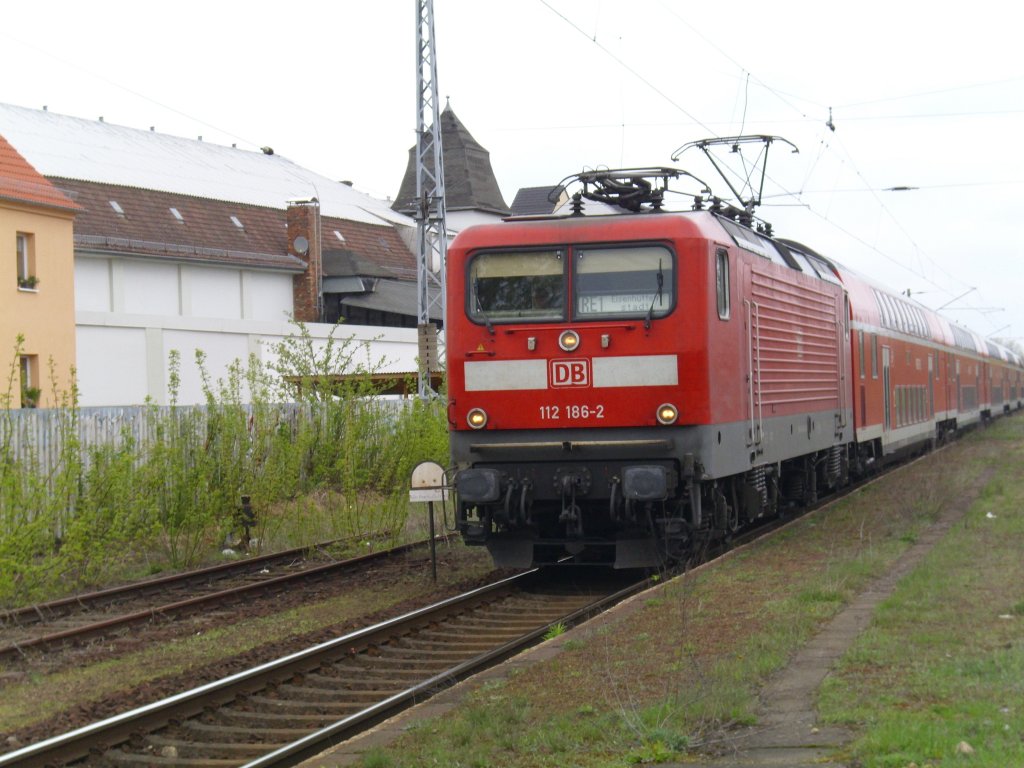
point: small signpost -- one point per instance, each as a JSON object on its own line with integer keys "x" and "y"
{"x": 428, "y": 485}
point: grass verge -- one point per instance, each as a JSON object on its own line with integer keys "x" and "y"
{"x": 938, "y": 678}
{"x": 686, "y": 666}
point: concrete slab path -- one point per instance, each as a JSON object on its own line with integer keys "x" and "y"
{"x": 787, "y": 732}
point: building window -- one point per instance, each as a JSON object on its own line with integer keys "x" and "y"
{"x": 722, "y": 282}
{"x": 26, "y": 256}
{"x": 30, "y": 391}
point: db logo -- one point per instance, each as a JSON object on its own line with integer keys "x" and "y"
{"x": 569, "y": 373}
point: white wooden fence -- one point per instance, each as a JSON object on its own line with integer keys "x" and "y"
{"x": 38, "y": 435}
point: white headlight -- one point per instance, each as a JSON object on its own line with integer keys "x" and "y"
{"x": 569, "y": 340}
{"x": 667, "y": 413}
{"x": 477, "y": 418}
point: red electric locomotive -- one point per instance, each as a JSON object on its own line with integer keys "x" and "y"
{"x": 624, "y": 387}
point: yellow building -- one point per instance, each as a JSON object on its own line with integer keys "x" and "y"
{"x": 37, "y": 289}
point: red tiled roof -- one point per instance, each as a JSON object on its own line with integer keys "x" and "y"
{"x": 207, "y": 232}
{"x": 378, "y": 245}
{"x": 20, "y": 181}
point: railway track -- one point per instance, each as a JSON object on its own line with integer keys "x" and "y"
{"x": 89, "y": 616}
{"x": 307, "y": 708}
{"x": 290, "y": 709}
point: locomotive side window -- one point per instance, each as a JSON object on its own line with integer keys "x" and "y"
{"x": 755, "y": 243}
{"x": 617, "y": 282}
{"x": 801, "y": 261}
{"x": 824, "y": 271}
{"x": 722, "y": 282}
{"x": 513, "y": 287}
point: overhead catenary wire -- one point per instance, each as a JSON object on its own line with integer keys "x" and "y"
{"x": 824, "y": 147}
{"x": 952, "y": 89}
{"x": 624, "y": 65}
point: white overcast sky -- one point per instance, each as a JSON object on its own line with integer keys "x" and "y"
{"x": 923, "y": 94}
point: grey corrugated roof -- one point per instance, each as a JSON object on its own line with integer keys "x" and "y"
{"x": 347, "y": 262}
{"x": 534, "y": 201}
{"x": 395, "y": 296}
{"x": 469, "y": 180}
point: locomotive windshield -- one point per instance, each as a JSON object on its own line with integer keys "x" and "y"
{"x": 612, "y": 282}
{"x": 525, "y": 286}
{"x": 508, "y": 287}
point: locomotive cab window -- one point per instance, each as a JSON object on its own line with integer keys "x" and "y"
{"x": 517, "y": 287}
{"x": 623, "y": 282}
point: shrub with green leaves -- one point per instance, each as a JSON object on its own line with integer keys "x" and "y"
{"x": 309, "y": 438}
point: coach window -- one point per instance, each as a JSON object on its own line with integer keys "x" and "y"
{"x": 516, "y": 287}
{"x": 874, "y": 355}
{"x": 920, "y": 323}
{"x": 860, "y": 348}
{"x": 623, "y": 282}
{"x": 722, "y": 282}
{"x": 906, "y": 325}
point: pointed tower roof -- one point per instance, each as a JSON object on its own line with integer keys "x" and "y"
{"x": 468, "y": 177}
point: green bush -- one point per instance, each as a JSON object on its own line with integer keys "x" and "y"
{"x": 318, "y": 455}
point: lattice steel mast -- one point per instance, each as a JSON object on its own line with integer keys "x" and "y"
{"x": 430, "y": 211}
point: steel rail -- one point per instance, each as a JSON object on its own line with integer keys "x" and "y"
{"x": 105, "y": 734}
{"x": 167, "y": 609}
{"x": 159, "y": 581}
{"x": 315, "y": 743}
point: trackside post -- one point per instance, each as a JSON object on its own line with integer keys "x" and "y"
{"x": 427, "y": 485}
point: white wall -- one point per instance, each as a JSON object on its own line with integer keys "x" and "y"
{"x": 456, "y": 221}
{"x": 213, "y": 292}
{"x": 131, "y": 313}
{"x": 92, "y": 284}
{"x": 265, "y": 296}
{"x": 111, "y": 365}
{"x": 145, "y": 287}
{"x": 123, "y": 359}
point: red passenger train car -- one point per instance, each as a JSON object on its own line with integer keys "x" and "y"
{"x": 624, "y": 387}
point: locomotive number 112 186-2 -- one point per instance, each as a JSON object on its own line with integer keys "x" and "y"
{"x": 557, "y": 412}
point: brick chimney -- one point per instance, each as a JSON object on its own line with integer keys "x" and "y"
{"x": 303, "y": 220}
